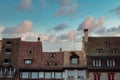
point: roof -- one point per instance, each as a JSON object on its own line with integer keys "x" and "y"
{"x": 102, "y": 46}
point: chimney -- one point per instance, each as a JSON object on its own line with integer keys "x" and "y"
{"x": 60, "y": 49}
{"x": 38, "y": 39}
{"x": 86, "y": 35}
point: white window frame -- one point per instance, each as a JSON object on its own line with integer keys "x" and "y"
{"x": 25, "y": 75}
{"x": 48, "y": 75}
{"x": 110, "y": 63}
{"x": 27, "y": 61}
{"x": 70, "y": 73}
{"x": 96, "y": 63}
{"x": 74, "y": 60}
{"x": 34, "y": 75}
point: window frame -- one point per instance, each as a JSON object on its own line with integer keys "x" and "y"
{"x": 28, "y": 63}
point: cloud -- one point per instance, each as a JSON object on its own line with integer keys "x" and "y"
{"x": 67, "y": 36}
{"x": 25, "y": 5}
{"x": 66, "y": 7}
{"x": 91, "y": 24}
{"x": 60, "y": 27}
{"x": 116, "y": 11}
{"x": 24, "y": 27}
{"x": 48, "y": 37}
{"x": 1, "y": 29}
{"x": 113, "y": 31}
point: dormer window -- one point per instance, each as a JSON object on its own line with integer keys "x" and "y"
{"x": 106, "y": 43}
{"x": 74, "y": 58}
{"x": 115, "y": 50}
{"x": 52, "y": 55}
{"x": 99, "y": 50}
{"x": 29, "y": 51}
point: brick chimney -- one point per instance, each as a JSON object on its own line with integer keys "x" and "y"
{"x": 86, "y": 35}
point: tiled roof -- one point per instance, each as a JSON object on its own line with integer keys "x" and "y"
{"x": 102, "y": 46}
{"x": 52, "y": 60}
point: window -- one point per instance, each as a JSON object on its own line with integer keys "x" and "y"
{"x": 48, "y": 75}
{"x": 47, "y": 64}
{"x": 29, "y": 51}
{"x": 6, "y": 61}
{"x": 74, "y": 58}
{"x": 8, "y": 43}
{"x": 81, "y": 74}
{"x": 96, "y": 63}
{"x": 58, "y": 75}
{"x": 99, "y": 50}
{"x": 34, "y": 75}
{"x": 8, "y": 50}
{"x": 110, "y": 63}
{"x": 25, "y": 75}
{"x": 55, "y": 63}
{"x": 106, "y": 43}
{"x": 2, "y": 71}
{"x": 115, "y": 50}
{"x": 7, "y": 72}
{"x": 10, "y": 72}
{"x": 71, "y": 74}
{"x": 52, "y": 55}
{"x": 28, "y": 61}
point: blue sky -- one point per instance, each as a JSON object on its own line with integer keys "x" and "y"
{"x": 60, "y": 23}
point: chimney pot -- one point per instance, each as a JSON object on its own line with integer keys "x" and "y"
{"x": 38, "y": 38}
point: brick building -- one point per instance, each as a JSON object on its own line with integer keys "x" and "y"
{"x": 25, "y": 60}
{"x": 9, "y": 59}
{"x": 103, "y": 57}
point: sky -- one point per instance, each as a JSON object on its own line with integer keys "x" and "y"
{"x": 59, "y": 23}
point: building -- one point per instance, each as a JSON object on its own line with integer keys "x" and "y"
{"x": 103, "y": 57}
{"x": 74, "y": 65}
{"x": 9, "y": 59}
{"x": 25, "y": 60}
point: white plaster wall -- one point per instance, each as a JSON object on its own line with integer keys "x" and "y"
{"x": 103, "y": 76}
{"x": 117, "y": 76}
{"x": 91, "y": 76}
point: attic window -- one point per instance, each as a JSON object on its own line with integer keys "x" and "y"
{"x": 74, "y": 58}
{"x": 55, "y": 64}
{"x": 47, "y": 64}
{"x": 115, "y": 50}
{"x": 52, "y": 55}
{"x": 99, "y": 50}
{"x": 107, "y": 43}
{"x": 29, "y": 51}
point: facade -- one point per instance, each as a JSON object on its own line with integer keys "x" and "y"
{"x": 103, "y": 57}
{"x": 9, "y": 59}
{"x": 74, "y": 65}
{"x": 25, "y": 60}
